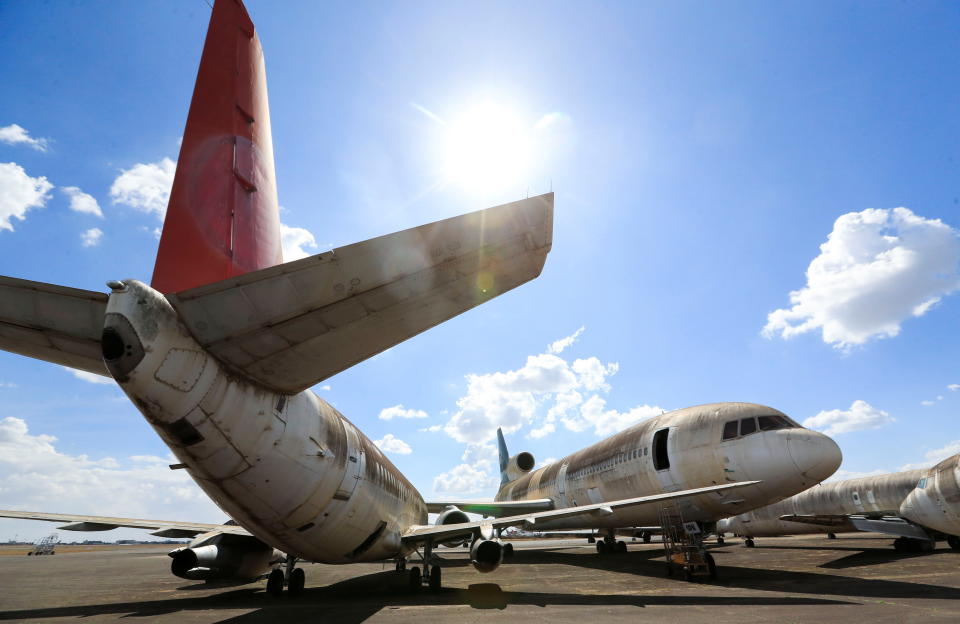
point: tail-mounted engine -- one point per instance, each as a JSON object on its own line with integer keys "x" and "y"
{"x": 222, "y": 557}
{"x": 519, "y": 465}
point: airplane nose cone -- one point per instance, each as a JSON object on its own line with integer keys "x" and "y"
{"x": 815, "y": 455}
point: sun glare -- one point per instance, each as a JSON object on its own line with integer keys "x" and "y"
{"x": 488, "y": 148}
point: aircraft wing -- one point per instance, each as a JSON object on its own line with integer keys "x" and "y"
{"x": 493, "y": 508}
{"x": 421, "y": 533}
{"x": 161, "y": 528}
{"x": 53, "y": 323}
{"x": 292, "y": 325}
{"x": 892, "y": 525}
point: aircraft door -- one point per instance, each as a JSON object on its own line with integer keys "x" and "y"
{"x": 664, "y": 462}
{"x": 354, "y": 465}
{"x": 562, "y": 487}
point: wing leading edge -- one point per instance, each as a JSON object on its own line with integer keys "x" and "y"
{"x": 486, "y": 528}
{"x": 161, "y": 528}
{"x": 493, "y": 508}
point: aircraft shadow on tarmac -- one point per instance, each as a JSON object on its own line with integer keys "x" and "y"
{"x": 357, "y": 599}
{"x": 858, "y": 557}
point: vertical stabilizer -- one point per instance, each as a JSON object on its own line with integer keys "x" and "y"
{"x": 222, "y": 219}
{"x": 504, "y": 456}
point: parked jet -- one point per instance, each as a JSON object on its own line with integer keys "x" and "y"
{"x": 689, "y": 448}
{"x": 219, "y": 351}
{"x": 918, "y": 506}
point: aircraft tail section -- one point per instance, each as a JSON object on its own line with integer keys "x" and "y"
{"x": 504, "y": 457}
{"x": 222, "y": 219}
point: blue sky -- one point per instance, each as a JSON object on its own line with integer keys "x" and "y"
{"x": 700, "y": 153}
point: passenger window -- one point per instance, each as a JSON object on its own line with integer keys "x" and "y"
{"x": 747, "y": 426}
{"x": 730, "y": 430}
{"x": 661, "y": 461}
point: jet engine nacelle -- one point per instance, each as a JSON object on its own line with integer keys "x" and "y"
{"x": 486, "y": 555}
{"x": 223, "y": 557}
{"x": 935, "y": 502}
{"x": 519, "y": 465}
{"x": 453, "y": 515}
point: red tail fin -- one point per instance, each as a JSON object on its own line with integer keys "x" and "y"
{"x": 222, "y": 219}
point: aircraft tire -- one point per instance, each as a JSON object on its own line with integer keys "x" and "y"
{"x": 413, "y": 579}
{"x": 720, "y": 539}
{"x": 954, "y": 542}
{"x": 831, "y": 536}
{"x": 621, "y": 547}
{"x": 436, "y": 579}
{"x": 275, "y": 582}
{"x": 297, "y": 581}
{"x": 711, "y": 566}
{"x": 749, "y": 542}
{"x": 601, "y": 547}
{"x": 646, "y": 538}
{"x": 507, "y": 551}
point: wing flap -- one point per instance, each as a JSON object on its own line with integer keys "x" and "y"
{"x": 828, "y": 520}
{"x": 290, "y": 326}
{"x": 422, "y": 533}
{"x": 164, "y": 528}
{"x": 52, "y": 323}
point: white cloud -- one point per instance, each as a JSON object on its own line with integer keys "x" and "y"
{"x": 293, "y": 240}
{"x": 935, "y": 456}
{"x": 878, "y": 268}
{"x": 35, "y": 475}
{"x": 558, "y": 346}
{"x": 390, "y": 444}
{"x": 953, "y": 387}
{"x": 19, "y": 193}
{"x": 859, "y": 417}
{"x": 89, "y": 377}
{"x": 81, "y": 202}
{"x": 399, "y": 411}
{"x": 481, "y": 455}
{"x": 463, "y": 479}
{"x": 145, "y": 187}
{"x": 550, "y": 120}
{"x": 547, "y": 462}
{"x": 8, "y": 384}
{"x": 91, "y": 237}
{"x": 606, "y": 422}
{"x": 926, "y": 403}
{"x": 14, "y": 135}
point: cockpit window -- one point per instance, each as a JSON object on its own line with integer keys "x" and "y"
{"x": 769, "y": 423}
{"x": 747, "y": 426}
{"x": 923, "y": 483}
{"x": 730, "y": 429}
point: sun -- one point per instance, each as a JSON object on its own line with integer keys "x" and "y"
{"x": 487, "y": 148}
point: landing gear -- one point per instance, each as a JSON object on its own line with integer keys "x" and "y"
{"x": 414, "y": 579}
{"x": 831, "y": 536}
{"x": 954, "y": 542}
{"x": 711, "y": 566}
{"x": 401, "y": 564}
{"x": 602, "y": 547}
{"x": 507, "y": 551}
{"x": 720, "y": 539}
{"x": 646, "y": 537}
{"x": 434, "y": 578}
{"x": 275, "y": 582}
{"x": 591, "y": 540}
{"x": 296, "y": 582}
{"x": 621, "y": 547}
{"x": 749, "y": 542}
{"x": 912, "y": 545}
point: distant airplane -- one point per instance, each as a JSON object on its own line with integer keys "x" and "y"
{"x": 689, "y": 448}
{"x": 918, "y": 506}
{"x": 219, "y": 352}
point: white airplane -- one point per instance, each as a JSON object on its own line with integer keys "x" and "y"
{"x": 219, "y": 351}
{"x": 689, "y": 448}
{"x": 918, "y": 506}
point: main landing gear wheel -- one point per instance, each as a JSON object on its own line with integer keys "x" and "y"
{"x": 831, "y": 536}
{"x": 401, "y": 564}
{"x": 646, "y": 538}
{"x": 749, "y": 542}
{"x": 711, "y": 566}
{"x": 719, "y": 539}
{"x": 601, "y": 547}
{"x": 413, "y": 576}
{"x": 591, "y": 540}
{"x": 954, "y": 542}
{"x": 507, "y": 552}
{"x": 435, "y": 578}
{"x": 275, "y": 582}
{"x": 621, "y": 547}
{"x": 297, "y": 581}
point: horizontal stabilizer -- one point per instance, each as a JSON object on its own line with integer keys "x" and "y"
{"x": 163, "y": 528}
{"x": 890, "y": 525}
{"x": 835, "y": 520}
{"x": 53, "y": 323}
{"x": 290, "y": 326}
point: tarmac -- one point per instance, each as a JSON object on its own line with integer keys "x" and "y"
{"x": 856, "y": 578}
